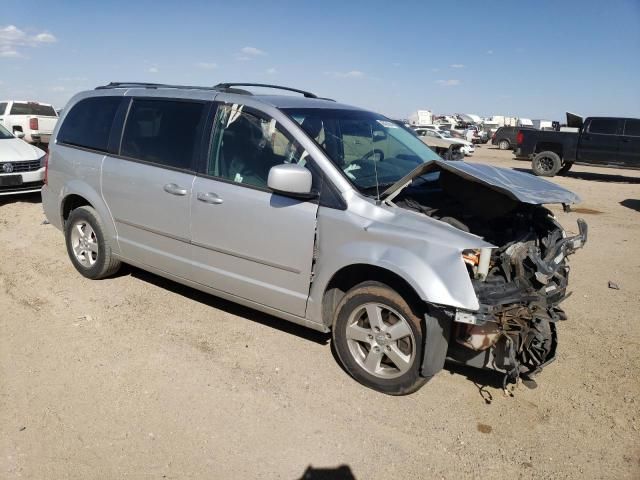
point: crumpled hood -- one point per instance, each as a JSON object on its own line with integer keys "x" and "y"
{"x": 519, "y": 186}
{"x": 16, "y": 150}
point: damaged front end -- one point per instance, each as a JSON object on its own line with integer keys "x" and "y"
{"x": 521, "y": 283}
{"x": 514, "y": 331}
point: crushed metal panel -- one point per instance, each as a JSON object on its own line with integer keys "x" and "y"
{"x": 519, "y": 186}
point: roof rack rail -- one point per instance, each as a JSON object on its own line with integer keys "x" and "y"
{"x": 149, "y": 85}
{"x": 228, "y": 87}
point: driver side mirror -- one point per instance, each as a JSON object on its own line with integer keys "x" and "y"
{"x": 290, "y": 179}
{"x": 18, "y": 134}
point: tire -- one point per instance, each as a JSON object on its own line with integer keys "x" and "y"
{"x": 504, "y": 144}
{"x": 565, "y": 168}
{"x": 362, "y": 345}
{"x": 546, "y": 164}
{"x": 87, "y": 248}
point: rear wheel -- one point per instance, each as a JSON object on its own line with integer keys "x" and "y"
{"x": 504, "y": 144}
{"x": 379, "y": 339}
{"x": 546, "y": 164}
{"x": 86, "y": 245}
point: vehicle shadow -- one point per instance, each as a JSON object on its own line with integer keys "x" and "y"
{"x": 594, "y": 177}
{"x": 21, "y": 197}
{"x": 480, "y": 378}
{"x": 633, "y": 204}
{"x": 227, "y": 306}
{"x": 343, "y": 472}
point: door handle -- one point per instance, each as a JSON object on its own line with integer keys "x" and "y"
{"x": 174, "y": 189}
{"x": 625, "y": 140}
{"x": 209, "y": 197}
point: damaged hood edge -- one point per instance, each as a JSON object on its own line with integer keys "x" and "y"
{"x": 519, "y": 186}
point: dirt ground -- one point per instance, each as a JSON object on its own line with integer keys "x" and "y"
{"x": 138, "y": 377}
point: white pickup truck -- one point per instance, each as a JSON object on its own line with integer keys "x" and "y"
{"x": 32, "y": 121}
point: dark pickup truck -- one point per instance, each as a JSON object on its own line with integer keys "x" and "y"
{"x": 603, "y": 141}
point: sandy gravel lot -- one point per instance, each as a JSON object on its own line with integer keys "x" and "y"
{"x": 138, "y": 377}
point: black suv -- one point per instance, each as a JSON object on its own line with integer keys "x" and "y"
{"x": 505, "y": 137}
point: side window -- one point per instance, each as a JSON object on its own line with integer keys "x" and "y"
{"x": 604, "y": 125}
{"x": 165, "y": 132}
{"x": 632, "y": 128}
{"x": 3, "y": 107}
{"x": 245, "y": 147}
{"x": 88, "y": 124}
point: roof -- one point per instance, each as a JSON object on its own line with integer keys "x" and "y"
{"x": 303, "y": 100}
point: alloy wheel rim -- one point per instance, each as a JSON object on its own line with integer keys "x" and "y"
{"x": 545, "y": 164}
{"x": 380, "y": 340}
{"x": 84, "y": 244}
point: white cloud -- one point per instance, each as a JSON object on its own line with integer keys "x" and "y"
{"x": 271, "y": 71}
{"x": 489, "y": 52}
{"x": 252, "y": 51}
{"x": 448, "y": 83}
{"x": 153, "y": 70}
{"x": 8, "y": 52}
{"x": 435, "y": 69}
{"x": 350, "y": 74}
{"x": 45, "y": 38}
{"x": 58, "y": 88}
{"x": 206, "y": 65}
{"x": 457, "y": 65}
{"x": 13, "y": 40}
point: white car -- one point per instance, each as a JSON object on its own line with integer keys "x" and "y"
{"x": 34, "y": 120}
{"x": 21, "y": 165}
{"x": 467, "y": 147}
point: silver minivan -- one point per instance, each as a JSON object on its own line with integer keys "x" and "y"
{"x": 327, "y": 215}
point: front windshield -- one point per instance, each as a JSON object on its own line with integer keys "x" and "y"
{"x": 445, "y": 134}
{"x": 372, "y": 151}
{"x": 4, "y": 133}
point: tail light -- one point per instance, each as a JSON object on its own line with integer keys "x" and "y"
{"x": 519, "y": 137}
{"x": 46, "y": 168}
{"x": 33, "y": 124}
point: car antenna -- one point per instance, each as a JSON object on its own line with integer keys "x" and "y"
{"x": 375, "y": 171}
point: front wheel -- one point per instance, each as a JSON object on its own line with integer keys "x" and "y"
{"x": 504, "y": 145}
{"x": 379, "y": 339}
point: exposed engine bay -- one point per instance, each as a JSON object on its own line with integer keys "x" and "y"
{"x": 520, "y": 285}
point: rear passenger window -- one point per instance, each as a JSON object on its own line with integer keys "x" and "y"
{"x": 165, "y": 132}
{"x": 632, "y": 128}
{"x": 607, "y": 126}
{"x": 3, "y": 107}
{"x": 88, "y": 124}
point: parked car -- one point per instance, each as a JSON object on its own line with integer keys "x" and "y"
{"x": 428, "y": 135}
{"x": 448, "y": 148}
{"x": 34, "y": 120}
{"x": 21, "y": 165}
{"x": 320, "y": 213}
{"x": 605, "y": 141}
{"x": 505, "y": 137}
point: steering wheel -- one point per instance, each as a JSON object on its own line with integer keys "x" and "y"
{"x": 373, "y": 152}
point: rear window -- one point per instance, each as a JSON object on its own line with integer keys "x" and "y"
{"x": 604, "y": 125}
{"x": 33, "y": 109}
{"x": 165, "y": 132}
{"x": 3, "y": 107}
{"x": 632, "y": 128}
{"x": 88, "y": 124}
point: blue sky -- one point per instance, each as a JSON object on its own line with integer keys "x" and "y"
{"x": 533, "y": 59}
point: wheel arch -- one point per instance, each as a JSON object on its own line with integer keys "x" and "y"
{"x": 351, "y": 275}
{"x": 77, "y": 193}
{"x": 554, "y": 147}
